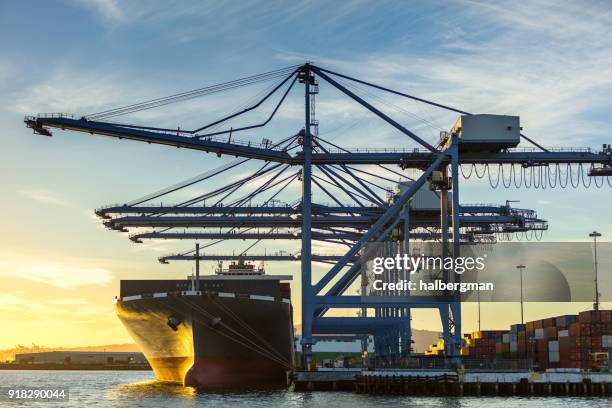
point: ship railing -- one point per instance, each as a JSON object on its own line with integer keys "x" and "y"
{"x": 551, "y": 149}
{"x": 53, "y": 115}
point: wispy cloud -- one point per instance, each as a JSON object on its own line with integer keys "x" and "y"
{"x": 63, "y": 275}
{"x": 10, "y": 302}
{"x": 45, "y": 196}
{"x": 68, "y": 90}
{"x": 31, "y": 315}
{"x": 71, "y": 301}
{"x": 549, "y": 62}
{"x": 109, "y": 9}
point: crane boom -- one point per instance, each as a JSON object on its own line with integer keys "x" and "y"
{"x": 407, "y": 158}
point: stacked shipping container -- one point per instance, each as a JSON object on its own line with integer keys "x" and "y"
{"x": 560, "y": 342}
{"x": 591, "y": 333}
{"x": 483, "y": 344}
{"x": 479, "y": 344}
{"x": 567, "y": 341}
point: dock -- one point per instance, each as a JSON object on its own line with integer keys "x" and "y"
{"x": 456, "y": 382}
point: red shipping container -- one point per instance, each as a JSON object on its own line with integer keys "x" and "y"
{"x": 574, "y": 330}
{"x": 585, "y": 317}
{"x": 595, "y": 342}
{"x": 585, "y": 329}
{"x": 564, "y": 355}
{"x": 595, "y": 316}
{"x": 566, "y": 342}
{"x": 570, "y": 342}
{"x": 575, "y": 354}
{"x": 550, "y": 332}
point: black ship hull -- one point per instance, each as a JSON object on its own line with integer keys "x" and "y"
{"x": 213, "y": 338}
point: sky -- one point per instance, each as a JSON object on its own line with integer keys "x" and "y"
{"x": 548, "y": 62}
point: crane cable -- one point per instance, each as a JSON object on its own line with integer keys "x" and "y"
{"x": 190, "y": 202}
{"x": 195, "y": 93}
{"x": 291, "y": 179}
{"x": 204, "y": 176}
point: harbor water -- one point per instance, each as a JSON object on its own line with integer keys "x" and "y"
{"x": 139, "y": 389}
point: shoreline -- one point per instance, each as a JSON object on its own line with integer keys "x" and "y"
{"x": 74, "y": 367}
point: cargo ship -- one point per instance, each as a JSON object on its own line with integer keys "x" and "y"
{"x": 233, "y": 329}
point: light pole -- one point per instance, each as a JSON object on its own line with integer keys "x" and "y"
{"x": 520, "y": 268}
{"x": 478, "y": 294}
{"x": 594, "y": 235}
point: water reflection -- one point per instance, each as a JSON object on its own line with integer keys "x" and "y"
{"x": 137, "y": 389}
{"x": 155, "y": 393}
{"x": 152, "y": 394}
{"x": 154, "y": 388}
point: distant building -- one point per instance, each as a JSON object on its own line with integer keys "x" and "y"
{"x": 80, "y": 357}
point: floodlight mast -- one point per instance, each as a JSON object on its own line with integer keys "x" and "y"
{"x": 595, "y": 235}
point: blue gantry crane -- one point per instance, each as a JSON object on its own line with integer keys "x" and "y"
{"x": 362, "y": 208}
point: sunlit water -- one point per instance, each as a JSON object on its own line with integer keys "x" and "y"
{"x": 139, "y": 389}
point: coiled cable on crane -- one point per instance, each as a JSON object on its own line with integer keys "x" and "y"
{"x": 503, "y": 176}
{"x": 563, "y": 184}
{"x": 584, "y": 177}
{"x": 496, "y": 183}
{"x": 484, "y": 171}
{"x": 571, "y": 176}
{"x": 536, "y": 176}
{"x": 548, "y": 172}
{"x": 463, "y": 172}
{"x": 520, "y": 171}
